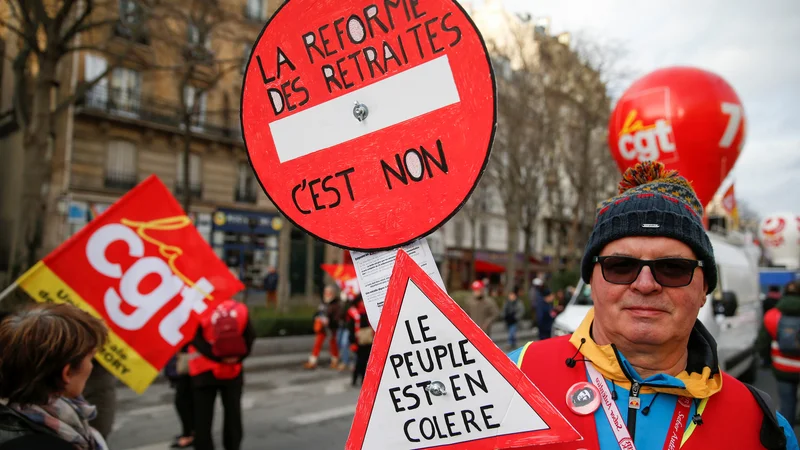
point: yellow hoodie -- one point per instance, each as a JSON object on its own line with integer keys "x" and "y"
{"x": 696, "y": 385}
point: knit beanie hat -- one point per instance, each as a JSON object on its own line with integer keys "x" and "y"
{"x": 652, "y": 201}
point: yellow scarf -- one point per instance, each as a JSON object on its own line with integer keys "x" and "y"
{"x": 698, "y": 385}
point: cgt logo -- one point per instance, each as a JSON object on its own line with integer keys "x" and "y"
{"x": 127, "y": 306}
{"x": 645, "y": 142}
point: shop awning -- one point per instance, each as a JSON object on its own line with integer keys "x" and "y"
{"x": 482, "y": 266}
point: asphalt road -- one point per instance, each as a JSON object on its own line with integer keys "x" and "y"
{"x": 286, "y": 409}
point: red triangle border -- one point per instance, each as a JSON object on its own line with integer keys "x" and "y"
{"x": 406, "y": 270}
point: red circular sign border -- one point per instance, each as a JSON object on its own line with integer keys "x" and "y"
{"x": 434, "y": 227}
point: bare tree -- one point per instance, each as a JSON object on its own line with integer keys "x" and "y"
{"x": 475, "y": 210}
{"x": 524, "y": 136}
{"x": 585, "y": 173}
{"x": 196, "y": 31}
{"x": 47, "y": 32}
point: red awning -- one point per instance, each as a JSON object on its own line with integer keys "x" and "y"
{"x": 482, "y": 266}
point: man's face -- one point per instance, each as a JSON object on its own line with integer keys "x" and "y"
{"x": 644, "y": 312}
{"x": 328, "y": 293}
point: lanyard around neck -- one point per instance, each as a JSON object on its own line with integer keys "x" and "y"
{"x": 618, "y": 427}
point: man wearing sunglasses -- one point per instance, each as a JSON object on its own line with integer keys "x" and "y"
{"x": 652, "y": 363}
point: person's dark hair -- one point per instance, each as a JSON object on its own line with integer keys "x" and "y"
{"x": 774, "y": 288}
{"x": 35, "y": 346}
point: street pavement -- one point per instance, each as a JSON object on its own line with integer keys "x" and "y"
{"x": 287, "y": 408}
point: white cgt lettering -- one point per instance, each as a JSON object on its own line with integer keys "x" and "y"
{"x": 645, "y": 144}
{"x": 146, "y": 305}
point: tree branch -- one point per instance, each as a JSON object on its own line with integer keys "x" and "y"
{"x": 30, "y": 40}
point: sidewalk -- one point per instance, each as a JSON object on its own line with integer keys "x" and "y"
{"x": 293, "y": 351}
{"x": 281, "y": 352}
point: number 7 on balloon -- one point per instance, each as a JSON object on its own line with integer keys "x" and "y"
{"x": 735, "y": 112}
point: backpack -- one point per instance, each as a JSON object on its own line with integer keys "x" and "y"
{"x": 228, "y": 340}
{"x": 789, "y": 335}
{"x": 365, "y": 334}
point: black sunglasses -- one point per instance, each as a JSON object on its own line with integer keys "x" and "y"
{"x": 668, "y": 272}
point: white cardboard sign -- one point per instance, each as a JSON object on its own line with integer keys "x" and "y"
{"x": 424, "y": 340}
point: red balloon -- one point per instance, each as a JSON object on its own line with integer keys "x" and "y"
{"x": 689, "y": 119}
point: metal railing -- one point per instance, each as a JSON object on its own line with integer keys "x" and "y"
{"x": 195, "y": 189}
{"x": 120, "y": 180}
{"x": 247, "y": 195}
{"x": 129, "y": 103}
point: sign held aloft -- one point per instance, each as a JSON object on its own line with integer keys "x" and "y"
{"x": 355, "y": 108}
{"x": 436, "y": 380}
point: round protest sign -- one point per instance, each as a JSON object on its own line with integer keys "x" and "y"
{"x": 369, "y": 122}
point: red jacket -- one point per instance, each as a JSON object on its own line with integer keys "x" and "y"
{"x": 544, "y": 363}
{"x": 201, "y": 359}
{"x": 784, "y": 363}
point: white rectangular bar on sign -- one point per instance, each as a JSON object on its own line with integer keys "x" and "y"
{"x": 396, "y": 99}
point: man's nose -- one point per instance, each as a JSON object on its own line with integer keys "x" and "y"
{"x": 645, "y": 283}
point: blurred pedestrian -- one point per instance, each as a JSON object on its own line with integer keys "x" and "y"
{"x": 513, "y": 311}
{"x": 344, "y": 332}
{"x": 782, "y": 328}
{"x": 481, "y": 308}
{"x": 361, "y": 337}
{"x": 770, "y": 301}
{"x": 326, "y": 323}
{"x": 45, "y": 360}
{"x": 223, "y": 340}
{"x": 271, "y": 286}
{"x": 177, "y": 372}
{"x": 772, "y": 298}
{"x": 559, "y": 302}
{"x": 544, "y": 311}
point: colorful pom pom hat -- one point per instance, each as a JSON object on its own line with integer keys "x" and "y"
{"x": 652, "y": 201}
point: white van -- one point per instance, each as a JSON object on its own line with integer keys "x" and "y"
{"x": 732, "y": 313}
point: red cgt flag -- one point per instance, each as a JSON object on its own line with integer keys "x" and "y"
{"x": 145, "y": 270}
{"x": 729, "y": 200}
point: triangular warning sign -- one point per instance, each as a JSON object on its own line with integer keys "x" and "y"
{"x": 435, "y": 380}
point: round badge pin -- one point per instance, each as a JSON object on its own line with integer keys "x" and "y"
{"x": 583, "y": 398}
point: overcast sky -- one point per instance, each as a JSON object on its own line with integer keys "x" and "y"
{"x": 754, "y": 45}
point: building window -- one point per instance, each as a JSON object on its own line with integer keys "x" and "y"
{"x": 246, "y": 56}
{"x": 458, "y": 233}
{"x": 121, "y": 170}
{"x": 246, "y": 186}
{"x": 131, "y": 22}
{"x": 94, "y": 67}
{"x": 198, "y": 114}
{"x": 126, "y": 91}
{"x": 195, "y": 175}
{"x": 130, "y": 12}
{"x": 254, "y": 9}
{"x": 484, "y": 236}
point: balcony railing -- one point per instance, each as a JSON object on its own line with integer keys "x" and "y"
{"x": 131, "y": 28}
{"x": 247, "y": 195}
{"x": 130, "y": 104}
{"x": 195, "y": 189}
{"x": 120, "y": 180}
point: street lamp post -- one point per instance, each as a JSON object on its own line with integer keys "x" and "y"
{"x": 252, "y": 223}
